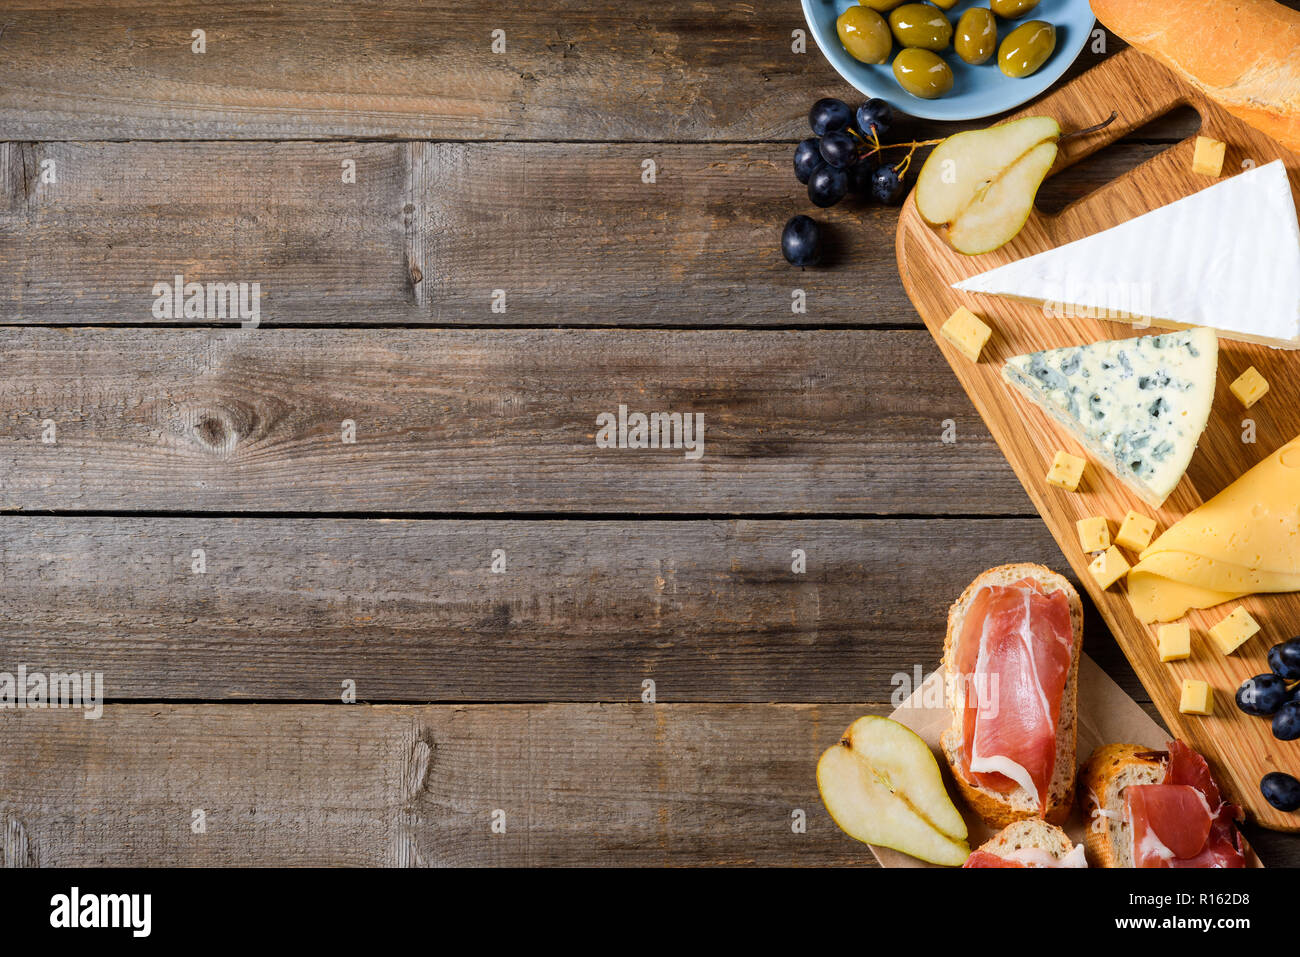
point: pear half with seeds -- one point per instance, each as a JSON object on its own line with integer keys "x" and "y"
{"x": 881, "y": 784}
{"x": 979, "y": 186}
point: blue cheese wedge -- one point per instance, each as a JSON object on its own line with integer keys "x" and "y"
{"x": 1227, "y": 257}
{"x": 1139, "y": 406}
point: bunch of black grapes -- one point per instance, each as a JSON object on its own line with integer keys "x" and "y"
{"x": 839, "y": 160}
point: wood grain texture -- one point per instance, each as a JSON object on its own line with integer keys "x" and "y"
{"x": 1241, "y": 748}
{"x": 202, "y": 420}
{"x": 571, "y": 70}
{"x": 585, "y": 610}
{"x": 299, "y": 785}
{"x": 314, "y": 785}
{"x": 429, "y": 231}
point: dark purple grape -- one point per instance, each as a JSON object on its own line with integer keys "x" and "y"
{"x": 807, "y": 157}
{"x": 801, "y": 242}
{"x": 860, "y": 177}
{"x": 1284, "y": 659}
{"x": 1286, "y": 723}
{"x": 828, "y": 185}
{"x": 1262, "y": 695}
{"x": 829, "y": 114}
{"x": 839, "y": 149}
{"x": 886, "y": 186}
{"x": 1280, "y": 790}
{"x": 874, "y": 114}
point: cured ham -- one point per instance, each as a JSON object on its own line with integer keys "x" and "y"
{"x": 1014, "y": 656}
{"x": 985, "y": 859}
{"x": 1183, "y": 821}
{"x": 1027, "y": 857}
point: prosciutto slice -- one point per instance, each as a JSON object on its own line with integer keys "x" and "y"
{"x": 985, "y": 859}
{"x": 1027, "y": 857}
{"x": 1183, "y": 821}
{"x": 1013, "y": 656}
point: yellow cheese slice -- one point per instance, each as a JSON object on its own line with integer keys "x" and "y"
{"x": 1244, "y": 540}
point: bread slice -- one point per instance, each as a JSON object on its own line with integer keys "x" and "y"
{"x": 1250, "y": 68}
{"x": 999, "y": 810}
{"x": 1033, "y": 834}
{"x": 1102, "y": 781}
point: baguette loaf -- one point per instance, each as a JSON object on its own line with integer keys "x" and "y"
{"x": 998, "y": 809}
{"x": 1102, "y": 781}
{"x": 1240, "y": 53}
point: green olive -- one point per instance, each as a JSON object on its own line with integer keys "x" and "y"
{"x": 921, "y": 25}
{"x": 944, "y": 4}
{"x": 977, "y": 35}
{"x": 882, "y": 6}
{"x": 1010, "y": 9}
{"x": 865, "y": 35}
{"x": 922, "y": 73}
{"x": 1026, "y": 48}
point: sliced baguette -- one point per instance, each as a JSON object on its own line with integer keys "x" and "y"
{"x": 1102, "y": 781}
{"x": 999, "y": 810}
{"x": 1250, "y": 67}
{"x": 1030, "y": 834}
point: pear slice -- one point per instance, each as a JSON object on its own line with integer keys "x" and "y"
{"x": 881, "y": 785}
{"x": 997, "y": 214}
{"x": 963, "y": 166}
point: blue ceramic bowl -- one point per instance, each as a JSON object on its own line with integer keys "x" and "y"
{"x": 977, "y": 91}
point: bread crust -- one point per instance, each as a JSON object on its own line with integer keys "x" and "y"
{"x": 1032, "y": 832}
{"x": 1000, "y": 810}
{"x": 1101, "y": 779}
{"x": 1239, "y": 53}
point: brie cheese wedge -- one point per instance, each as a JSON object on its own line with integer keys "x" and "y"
{"x": 1227, "y": 257}
{"x": 1139, "y": 406}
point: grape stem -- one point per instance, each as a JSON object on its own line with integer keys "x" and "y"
{"x": 902, "y": 165}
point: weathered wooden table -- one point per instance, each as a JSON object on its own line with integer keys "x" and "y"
{"x": 361, "y": 585}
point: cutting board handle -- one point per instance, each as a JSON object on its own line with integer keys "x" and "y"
{"x": 1124, "y": 83}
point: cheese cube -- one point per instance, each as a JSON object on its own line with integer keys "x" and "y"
{"x": 1094, "y": 533}
{"x": 1135, "y": 532}
{"x": 967, "y": 332}
{"x": 1066, "y": 471}
{"x": 1108, "y": 567}
{"x": 1197, "y": 697}
{"x": 1249, "y": 387}
{"x": 1231, "y": 633}
{"x": 1208, "y": 159}
{"x": 1174, "y": 642}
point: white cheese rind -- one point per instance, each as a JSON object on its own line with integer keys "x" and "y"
{"x": 1139, "y": 406}
{"x": 1227, "y": 257}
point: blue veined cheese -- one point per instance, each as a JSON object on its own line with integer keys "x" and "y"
{"x": 1139, "y": 406}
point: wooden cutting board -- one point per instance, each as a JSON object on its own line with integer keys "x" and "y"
{"x": 1240, "y": 748}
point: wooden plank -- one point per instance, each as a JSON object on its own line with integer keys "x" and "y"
{"x": 121, "y": 217}
{"x": 571, "y": 70}
{"x": 1240, "y": 747}
{"x": 450, "y": 421}
{"x": 584, "y": 611}
{"x": 428, "y": 231}
{"x": 294, "y": 785}
{"x": 417, "y": 786}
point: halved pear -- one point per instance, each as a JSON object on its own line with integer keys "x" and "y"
{"x": 881, "y": 785}
{"x": 997, "y": 214}
{"x": 963, "y": 166}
